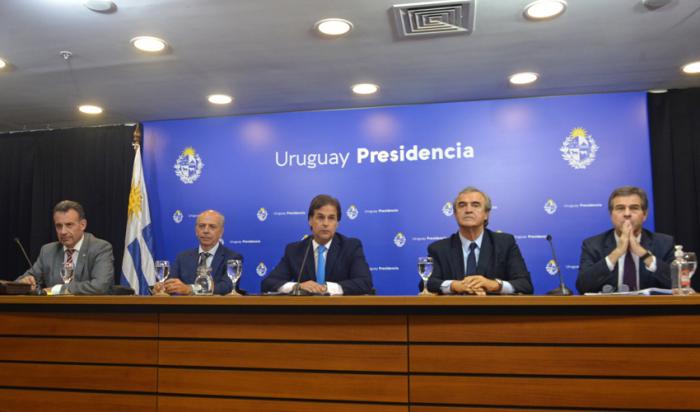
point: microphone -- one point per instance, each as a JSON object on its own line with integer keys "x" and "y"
{"x": 24, "y": 252}
{"x": 297, "y": 290}
{"x": 562, "y": 290}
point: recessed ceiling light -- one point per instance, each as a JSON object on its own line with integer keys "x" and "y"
{"x": 100, "y": 6}
{"x": 220, "y": 99}
{"x": 657, "y": 91}
{"x": 3, "y": 64}
{"x": 692, "y": 68}
{"x": 333, "y": 26}
{"x": 90, "y": 109}
{"x": 365, "y": 88}
{"x": 544, "y": 9}
{"x": 149, "y": 44}
{"x": 523, "y": 78}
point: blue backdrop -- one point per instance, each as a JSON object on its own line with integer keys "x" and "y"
{"x": 549, "y": 165}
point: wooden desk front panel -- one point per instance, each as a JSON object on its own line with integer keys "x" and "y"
{"x": 613, "y": 362}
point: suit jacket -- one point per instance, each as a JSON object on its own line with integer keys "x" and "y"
{"x": 593, "y": 272}
{"x": 185, "y": 268}
{"x": 93, "y": 273}
{"x": 499, "y": 257}
{"x": 345, "y": 265}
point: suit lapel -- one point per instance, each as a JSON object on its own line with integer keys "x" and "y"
{"x": 58, "y": 258}
{"x": 82, "y": 258}
{"x": 309, "y": 272}
{"x": 457, "y": 256}
{"x": 609, "y": 243}
{"x": 485, "y": 253}
{"x": 332, "y": 256}
{"x": 644, "y": 274}
{"x": 217, "y": 260}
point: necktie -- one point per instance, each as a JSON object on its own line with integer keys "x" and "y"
{"x": 321, "y": 265}
{"x": 69, "y": 257}
{"x": 471, "y": 260}
{"x": 629, "y": 275}
{"x": 203, "y": 259}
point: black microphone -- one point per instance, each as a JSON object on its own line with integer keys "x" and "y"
{"x": 297, "y": 290}
{"x": 562, "y": 290}
{"x": 24, "y": 252}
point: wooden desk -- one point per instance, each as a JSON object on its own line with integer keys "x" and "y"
{"x": 349, "y": 354}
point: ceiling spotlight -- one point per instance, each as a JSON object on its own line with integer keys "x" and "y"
{"x": 365, "y": 88}
{"x": 657, "y": 91}
{"x": 3, "y": 64}
{"x": 220, "y": 99}
{"x": 90, "y": 109}
{"x": 544, "y": 9}
{"x": 691, "y": 68}
{"x": 523, "y": 78}
{"x": 333, "y": 27}
{"x": 149, "y": 44}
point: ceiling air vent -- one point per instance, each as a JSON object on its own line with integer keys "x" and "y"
{"x": 434, "y": 18}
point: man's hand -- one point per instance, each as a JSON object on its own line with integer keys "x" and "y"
{"x": 464, "y": 288}
{"x": 313, "y": 287}
{"x": 623, "y": 244}
{"x": 482, "y": 282}
{"x": 175, "y": 286}
{"x": 29, "y": 280}
{"x": 636, "y": 248}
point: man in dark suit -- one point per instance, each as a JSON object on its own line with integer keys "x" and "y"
{"x": 330, "y": 263}
{"x": 211, "y": 253}
{"x": 626, "y": 254}
{"x": 475, "y": 260}
{"x": 91, "y": 258}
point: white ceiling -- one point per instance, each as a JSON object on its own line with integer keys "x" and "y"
{"x": 265, "y": 53}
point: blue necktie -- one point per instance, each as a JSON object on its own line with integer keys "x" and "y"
{"x": 321, "y": 267}
{"x": 471, "y": 260}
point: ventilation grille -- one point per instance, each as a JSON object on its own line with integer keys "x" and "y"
{"x": 434, "y": 18}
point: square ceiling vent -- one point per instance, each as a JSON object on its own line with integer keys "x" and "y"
{"x": 434, "y": 18}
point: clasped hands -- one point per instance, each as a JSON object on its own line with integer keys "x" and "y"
{"x": 627, "y": 241}
{"x": 313, "y": 287}
{"x": 475, "y": 285}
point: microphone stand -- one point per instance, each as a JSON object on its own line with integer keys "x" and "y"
{"x": 562, "y": 290}
{"x": 297, "y": 290}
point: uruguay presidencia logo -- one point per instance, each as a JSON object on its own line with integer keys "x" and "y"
{"x": 579, "y": 148}
{"x": 188, "y": 167}
{"x": 447, "y": 209}
{"x": 261, "y": 269}
{"x": 352, "y": 212}
{"x": 177, "y": 216}
{"x": 262, "y": 214}
{"x": 551, "y": 267}
{"x": 399, "y": 239}
{"x": 550, "y": 207}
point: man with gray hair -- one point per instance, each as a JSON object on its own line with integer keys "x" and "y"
{"x": 89, "y": 259}
{"x": 627, "y": 254}
{"x": 475, "y": 260}
{"x": 209, "y": 228}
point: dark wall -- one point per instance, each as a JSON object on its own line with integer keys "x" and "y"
{"x": 38, "y": 169}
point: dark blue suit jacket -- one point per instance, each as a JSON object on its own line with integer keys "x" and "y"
{"x": 593, "y": 272}
{"x": 499, "y": 257}
{"x": 185, "y": 268}
{"x": 345, "y": 265}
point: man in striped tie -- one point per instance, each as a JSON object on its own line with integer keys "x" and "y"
{"x": 78, "y": 263}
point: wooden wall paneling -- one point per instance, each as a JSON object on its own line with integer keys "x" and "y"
{"x": 271, "y": 355}
{"x": 285, "y": 385}
{"x": 80, "y": 350}
{"x": 194, "y": 404}
{"x": 19, "y": 400}
{"x": 82, "y": 323}
{"x": 663, "y": 394}
{"x": 552, "y": 329}
{"x": 283, "y": 326}
{"x": 86, "y": 377}
{"x": 557, "y": 360}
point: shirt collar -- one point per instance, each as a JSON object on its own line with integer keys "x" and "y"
{"x": 77, "y": 246}
{"x": 211, "y": 251}
{"x": 466, "y": 242}
{"x": 316, "y": 244}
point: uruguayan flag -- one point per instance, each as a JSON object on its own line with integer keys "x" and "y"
{"x": 138, "y": 270}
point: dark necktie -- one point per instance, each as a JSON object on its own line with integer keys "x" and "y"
{"x": 203, "y": 259}
{"x": 471, "y": 260}
{"x": 629, "y": 275}
{"x": 69, "y": 257}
